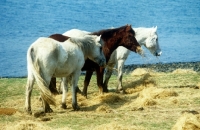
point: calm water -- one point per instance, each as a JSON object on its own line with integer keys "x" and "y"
{"x": 22, "y": 22}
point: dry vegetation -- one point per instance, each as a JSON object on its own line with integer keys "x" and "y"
{"x": 153, "y": 101}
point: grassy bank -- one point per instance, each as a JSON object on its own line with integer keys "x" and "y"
{"x": 153, "y": 101}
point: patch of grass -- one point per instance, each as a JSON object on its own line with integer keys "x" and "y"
{"x": 121, "y": 110}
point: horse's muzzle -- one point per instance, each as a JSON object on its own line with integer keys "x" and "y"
{"x": 158, "y": 53}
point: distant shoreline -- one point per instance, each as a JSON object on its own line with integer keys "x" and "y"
{"x": 165, "y": 67}
{"x": 158, "y": 67}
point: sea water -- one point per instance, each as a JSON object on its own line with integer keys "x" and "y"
{"x": 22, "y": 22}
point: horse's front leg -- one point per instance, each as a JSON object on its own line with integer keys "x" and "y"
{"x": 88, "y": 76}
{"x": 99, "y": 73}
{"x": 120, "y": 75}
{"x": 29, "y": 88}
{"x": 107, "y": 76}
{"x": 74, "y": 81}
{"x": 65, "y": 82}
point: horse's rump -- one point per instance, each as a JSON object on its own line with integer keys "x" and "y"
{"x": 34, "y": 67}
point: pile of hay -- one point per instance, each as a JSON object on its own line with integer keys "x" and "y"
{"x": 148, "y": 97}
{"x": 107, "y": 98}
{"x": 184, "y": 71}
{"x": 140, "y": 71}
{"x": 188, "y": 121}
{"x": 104, "y": 108}
{"x": 117, "y": 126}
{"x": 145, "y": 81}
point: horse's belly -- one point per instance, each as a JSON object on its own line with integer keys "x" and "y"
{"x": 66, "y": 69}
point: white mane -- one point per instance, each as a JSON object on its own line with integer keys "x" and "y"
{"x": 86, "y": 43}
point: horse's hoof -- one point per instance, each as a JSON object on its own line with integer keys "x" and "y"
{"x": 105, "y": 90}
{"x": 78, "y": 90}
{"x": 83, "y": 94}
{"x": 39, "y": 114}
{"x": 49, "y": 110}
{"x": 76, "y": 107}
{"x": 120, "y": 91}
{"x": 29, "y": 112}
{"x": 64, "y": 106}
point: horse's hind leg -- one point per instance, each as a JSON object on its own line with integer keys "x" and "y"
{"x": 107, "y": 76}
{"x": 99, "y": 74}
{"x": 120, "y": 75}
{"x": 46, "y": 106}
{"x": 64, "y": 84}
{"x": 88, "y": 76}
{"x": 74, "y": 82}
{"x": 29, "y": 87}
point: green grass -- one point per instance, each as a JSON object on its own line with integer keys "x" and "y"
{"x": 161, "y": 116}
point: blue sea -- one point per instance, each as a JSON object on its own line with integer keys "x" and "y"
{"x": 22, "y": 22}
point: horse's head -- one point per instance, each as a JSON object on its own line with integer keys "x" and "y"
{"x": 96, "y": 53}
{"x": 152, "y": 43}
{"x": 129, "y": 41}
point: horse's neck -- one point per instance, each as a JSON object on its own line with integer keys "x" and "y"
{"x": 141, "y": 35}
{"x": 107, "y": 52}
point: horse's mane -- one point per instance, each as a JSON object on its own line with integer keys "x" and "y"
{"x": 86, "y": 43}
{"x": 112, "y": 31}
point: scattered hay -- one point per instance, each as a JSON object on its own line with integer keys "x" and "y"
{"x": 7, "y": 111}
{"x": 28, "y": 125}
{"x": 145, "y": 81}
{"x": 134, "y": 90}
{"x": 145, "y": 101}
{"x": 104, "y": 108}
{"x": 184, "y": 71}
{"x": 157, "y": 93}
{"x": 188, "y": 121}
{"x": 107, "y": 98}
{"x": 117, "y": 126}
{"x": 140, "y": 72}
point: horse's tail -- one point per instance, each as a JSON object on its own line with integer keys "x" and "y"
{"x": 45, "y": 92}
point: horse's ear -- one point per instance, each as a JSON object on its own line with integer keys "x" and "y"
{"x": 155, "y": 28}
{"x": 128, "y": 27}
{"x": 99, "y": 38}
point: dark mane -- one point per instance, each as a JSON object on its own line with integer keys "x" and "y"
{"x": 110, "y": 32}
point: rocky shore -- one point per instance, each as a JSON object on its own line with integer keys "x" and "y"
{"x": 164, "y": 67}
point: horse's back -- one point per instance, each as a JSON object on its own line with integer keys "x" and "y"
{"x": 46, "y": 50}
{"x": 75, "y": 33}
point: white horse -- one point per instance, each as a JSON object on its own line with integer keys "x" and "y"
{"x": 48, "y": 58}
{"x": 145, "y": 36}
